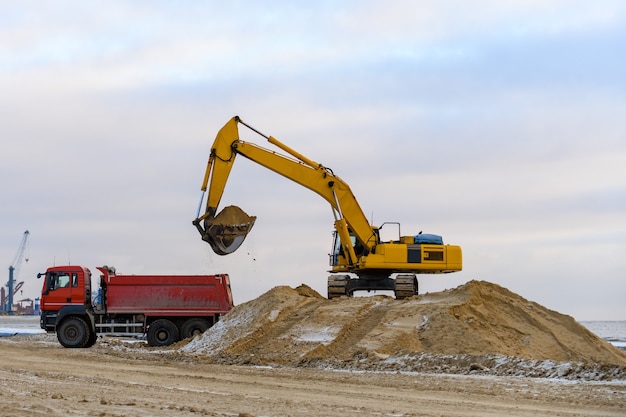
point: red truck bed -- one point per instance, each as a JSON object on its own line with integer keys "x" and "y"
{"x": 172, "y": 295}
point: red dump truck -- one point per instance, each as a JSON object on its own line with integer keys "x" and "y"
{"x": 166, "y": 308}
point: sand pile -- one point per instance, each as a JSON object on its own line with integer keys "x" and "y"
{"x": 476, "y": 324}
{"x": 232, "y": 215}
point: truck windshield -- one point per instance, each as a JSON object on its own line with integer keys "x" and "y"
{"x": 62, "y": 280}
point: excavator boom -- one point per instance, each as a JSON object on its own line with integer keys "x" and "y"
{"x": 226, "y": 231}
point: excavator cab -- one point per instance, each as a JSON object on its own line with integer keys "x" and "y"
{"x": 338, "y": 258}
{"x": 337, "y": 251}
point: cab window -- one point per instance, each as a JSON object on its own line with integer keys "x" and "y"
{"x": 59, "y": 280}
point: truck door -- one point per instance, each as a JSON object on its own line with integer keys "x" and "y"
{"x": 62, "y": 288}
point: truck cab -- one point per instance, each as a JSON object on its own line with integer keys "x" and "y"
{"x": 66, "y": 305}
{"x": 63, "y": 285}
{"x": 65, "y": 290}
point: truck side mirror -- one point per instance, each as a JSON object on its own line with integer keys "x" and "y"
{"x": 45, "y": 290}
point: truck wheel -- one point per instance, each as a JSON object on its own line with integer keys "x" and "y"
{"x": 193, "y": 327}
{"x": 73, "y": 333}
{"x": 162, "y": 332}
{"x": 93, "y": 337}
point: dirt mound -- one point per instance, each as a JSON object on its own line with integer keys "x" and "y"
{"x": 306, "y": 291}
{"x": 247, "y": 320}
{"x": 476, "y": 324}
{"x": 495, "y": 320}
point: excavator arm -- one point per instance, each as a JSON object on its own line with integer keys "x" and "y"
{"x": 226, "y": 231}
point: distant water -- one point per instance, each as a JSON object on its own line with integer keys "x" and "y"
{"x": 19, "y": 325}
{"x": 613, "y": 332}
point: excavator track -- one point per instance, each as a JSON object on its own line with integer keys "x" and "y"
{"x": 337, "y": 286}
{"x": 405, "y": 286}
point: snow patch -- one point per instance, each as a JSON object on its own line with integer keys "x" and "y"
{"x": 324, "y": 335}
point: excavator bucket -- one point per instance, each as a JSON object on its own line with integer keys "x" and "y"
{"x": 227, "y": 231}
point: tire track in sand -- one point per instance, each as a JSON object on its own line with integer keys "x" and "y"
{"x": 345, "y": 343}
{"x": 268, "y": 333}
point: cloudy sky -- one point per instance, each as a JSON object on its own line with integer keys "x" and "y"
{"x": 499, "y": 125}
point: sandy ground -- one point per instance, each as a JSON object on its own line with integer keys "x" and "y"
{"x": 477, "y": 350}
{"x": 40, "y": 378}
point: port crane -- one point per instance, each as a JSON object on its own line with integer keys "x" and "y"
{"x": 14, "y": 269}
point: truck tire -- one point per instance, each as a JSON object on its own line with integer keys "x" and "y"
{"x": 162, "y": 332}
{"x": 193, "y": 327}
{"x": 93, "y": 337}
{"x": 73, "y": 333}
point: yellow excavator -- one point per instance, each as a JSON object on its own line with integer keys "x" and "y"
{"x": 359, "y": 259}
